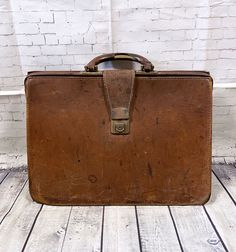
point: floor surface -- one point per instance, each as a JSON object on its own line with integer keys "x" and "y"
{"x": 29, "y": 226}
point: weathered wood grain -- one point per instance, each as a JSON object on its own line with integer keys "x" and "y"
{"x": 195, "y": 230}
{"x": 222, "y": 212}
{"x": 219, "y": 160}
{"x": 2, "y": 175}
{"x": 16, "y": 226}
{"x": 227, "y": 175}
{"x": 157, "y": 231}
{"x": 84, "y": 229}
{"x": 230, "y": 160}
{"x": 49, "y": 230}
{"x": 9, "y": 191}
{"x": 120, "y": 229}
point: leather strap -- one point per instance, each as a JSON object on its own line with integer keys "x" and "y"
{"x": 119, "y": 90}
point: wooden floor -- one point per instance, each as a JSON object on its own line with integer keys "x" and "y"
{"x": 28, "y": 226}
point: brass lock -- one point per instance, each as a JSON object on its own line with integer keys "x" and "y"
{"x": 120, "y": 127}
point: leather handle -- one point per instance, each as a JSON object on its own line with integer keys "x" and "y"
{"x": 92, "y": 66}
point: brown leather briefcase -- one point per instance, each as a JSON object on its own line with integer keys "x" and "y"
{"x": 119, "y": 136}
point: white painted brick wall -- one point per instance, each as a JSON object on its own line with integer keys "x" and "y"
{"x": 174, "y": 34}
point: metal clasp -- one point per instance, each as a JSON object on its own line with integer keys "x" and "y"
{"x": 120, "y": 127}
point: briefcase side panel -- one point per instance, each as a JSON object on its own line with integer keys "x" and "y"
{"x": 74, "y": 159}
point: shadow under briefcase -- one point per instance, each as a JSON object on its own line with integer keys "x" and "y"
{"x": 119, "y": 137}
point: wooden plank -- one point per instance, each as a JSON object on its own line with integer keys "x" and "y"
{"x": 3, "y": 175}
{"x": 84, "y": 229}
{"x": 49, "y": 230}
{"x": 195, "y": 230}
{"x": 157, "y": 231}
{"x": 18, "y": 222}
{"x": 120, "y": 231}
{"x": 227, "y": 176}
{"x": 222, "y": 212}
{"x": 230, "y": 160}
{"x": 219, "y": 160}
{"x": 9, "y": 191}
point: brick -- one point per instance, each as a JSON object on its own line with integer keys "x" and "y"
{"x": 18, "y": 116}
{"x": 229, "y": 32}
{"x": 205, "y": 23}
{"x": 200, "y": 12}
{"x": 47, "y": 28}
{"x": 26, "y": 17}
{"x": 229, "y": 22}
{"x": 83, "y": 59}
{"x": 23, "y": 99}
{"x": 51, "y": 39}
{"x": 88, "y": 5}
{"x": 99, "y": 15}
{"x": 172, "y": 55}
{"x": 217, "y": 110}
{"x": 199, "y": 3}
{"x": 204, "y": 44}
{"x": 15, "y": 107}
{"x": 8, "y": 40}
{"x": 23, "y": 40}
{"x": 27, "y": 5}
{"x": 10, "y": 61}
{"x": 212, "y": 54}
{"x": 101, "y": 26}
{"x": 77, "y": 16}
{"x": 60, "y": 17}
{"x": 191, "y": 34}
{"x": 61, "y": 5}
{"x": 90, "y": 36}
{"x": 215, "y": 33}
{"x": 29, "y": 50}
{"x": 102, "y": 37}
{"x": 227, "y": 44}
{"x": 6, "y": 29}
{"x": 219, "y": 11}
{"x": 172, "y": 35}
{"x": 37, "y": 39}
{"x": 58, "y": 68}
{"x": 53, "y": 50}
{"x": 9, "y": 71}
{"x": 2, "y": 108}
{"x": 47, "y": 17}
{"x": 101, "y": 48}
{"x": 16, "y": 99}
{"x": 66, "y": 40}
{"x": 6, "y": 18}
{"x": 6, "y": 116}
{"x": 232, "y": 11}
{"x": 8, "y": 51}
{"x": 26, "y": 28}
{"x": 231, "y": 74}
{"x": 122, "y": 4}
{"x": 78, "y": 49}
{"x": 4, "y": 99}
{"x": 227, "y": 54}
{"x": 68, "y": 60}
{"x": 154, "y": 4}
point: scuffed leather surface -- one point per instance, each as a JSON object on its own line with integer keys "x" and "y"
{"x": 73, "y": 158}
{"x": 119, "y": 88}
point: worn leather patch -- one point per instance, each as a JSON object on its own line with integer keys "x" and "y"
{"x": 119, "y": 90}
